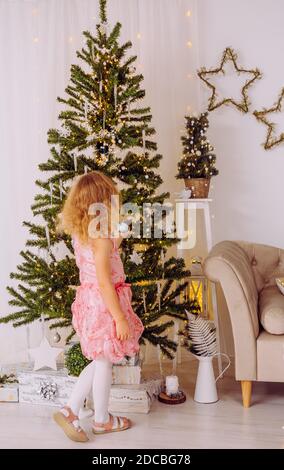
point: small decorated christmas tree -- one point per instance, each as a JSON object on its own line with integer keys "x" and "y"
{"x": 198, "y": 161}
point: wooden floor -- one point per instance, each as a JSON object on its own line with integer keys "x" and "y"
{"x": 225, "y": 424}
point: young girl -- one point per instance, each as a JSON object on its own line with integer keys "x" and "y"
{"x": 103, "y": 318}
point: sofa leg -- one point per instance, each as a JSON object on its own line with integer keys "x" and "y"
{"x": 246, "y": 392}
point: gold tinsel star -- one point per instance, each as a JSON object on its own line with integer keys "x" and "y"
{"x": 271, "y": 138}
{"x": 229, "y": 56}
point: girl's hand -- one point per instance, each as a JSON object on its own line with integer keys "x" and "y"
{"x": 122, "y": 329}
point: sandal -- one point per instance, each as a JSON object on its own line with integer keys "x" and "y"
{"x": 69, "y": 423}
{"x": 115, "y": 424}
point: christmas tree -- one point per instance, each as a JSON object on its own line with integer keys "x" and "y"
{"x": 198, "y": 160}
{"x": 103, "y": 127}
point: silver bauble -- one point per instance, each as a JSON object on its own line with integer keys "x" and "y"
{"x": 56, "y": 337}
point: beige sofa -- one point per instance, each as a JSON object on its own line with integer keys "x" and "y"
{"x": 247, "y": 275}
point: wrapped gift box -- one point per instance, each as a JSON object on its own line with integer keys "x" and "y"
{"x": 134, "y": 398}
{"x": 129, "y": 361}
{"x": 45, "y": 387}
{"x": 9, "y": 393}
{"x": 126, "y": 375}
{"x": 53, "y": 388}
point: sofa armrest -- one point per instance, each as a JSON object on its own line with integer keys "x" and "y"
{"x": 228, "y": 264}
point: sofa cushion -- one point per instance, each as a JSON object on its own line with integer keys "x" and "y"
{"x": 271, "y": 310}
{"x": 270, "y": 357}
{"x": 267, "y": 263}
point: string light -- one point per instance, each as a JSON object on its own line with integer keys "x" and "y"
{"x": 189, "y": 44}
{"x": 139, "y": 35}
{"x": 70, "y": 39}
{"x": 188, "y": 13}
{"x": 36, "y": 39}
{"x": 189, "y": 75}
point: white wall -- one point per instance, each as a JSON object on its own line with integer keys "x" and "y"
{"x": 248, "y": 194}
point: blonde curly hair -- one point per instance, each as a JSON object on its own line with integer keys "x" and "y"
{"x": 87, "y": 189}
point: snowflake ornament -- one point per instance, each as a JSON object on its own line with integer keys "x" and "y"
{"x": 136, "y": 258}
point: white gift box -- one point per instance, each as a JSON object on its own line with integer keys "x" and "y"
{"x": 53, "y": 388}
{"x": 134, "y": 398}
{"x": 129, "y": 361}
{"x": 9, "y": 393}
{"x": 126, "y": 375}
{"x": 45, "y": 387}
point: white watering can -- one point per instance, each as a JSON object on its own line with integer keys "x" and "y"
{"x": 205, "y": 388}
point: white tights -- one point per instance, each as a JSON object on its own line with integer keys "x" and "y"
{"x": 97, "y": 376}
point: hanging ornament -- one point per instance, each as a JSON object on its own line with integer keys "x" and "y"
{"x": 115, "y": 95}
{"x": 75, "y": 162}
{"x": 104, "y": 119}
{"x": 89, "y": 138}
{"x": 101, "y": 86}
{"x": 159, "y": 294}
{"x": 136, "y": 258}
{"x": 123, "y": 228}
{"x": 60, "y": 188}
{"x": 47, "y": 235}
{"x": 144, "y": 140}
{"x": 102, "y": 148}
{"x": 50, "y": 191}
{"x": 56, "y": 337}
{"x": 45, "y": 355}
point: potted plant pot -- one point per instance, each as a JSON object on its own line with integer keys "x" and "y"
{"x": 199, "y": 187}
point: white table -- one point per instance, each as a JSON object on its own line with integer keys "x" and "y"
{"x": 204, "y": 205}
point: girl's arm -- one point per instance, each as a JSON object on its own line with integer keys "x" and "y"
{"x": 102, "y": 249}
{"x": 119, "y": 240}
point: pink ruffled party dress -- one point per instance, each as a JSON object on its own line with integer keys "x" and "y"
{"x": 92, "y": 320}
